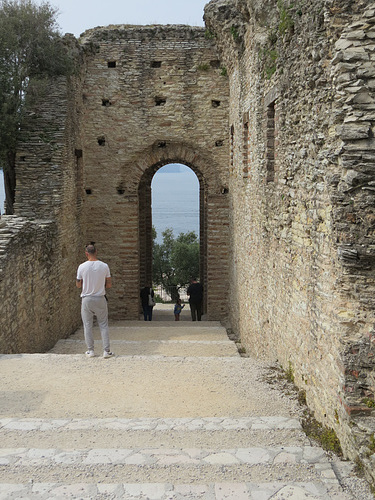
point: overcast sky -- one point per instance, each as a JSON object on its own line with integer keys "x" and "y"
{"x": 76, "y": 16}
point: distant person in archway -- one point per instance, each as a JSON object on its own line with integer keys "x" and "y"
{"x": 177, "y": 309}
{"x": 93, "y": 277}
{"x": 195, "y": 292}
{"x": 147, "y": 299}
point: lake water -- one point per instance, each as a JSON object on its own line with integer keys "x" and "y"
{"x": 175, "y": 200}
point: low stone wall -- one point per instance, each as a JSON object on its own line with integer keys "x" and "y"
{"x": 36, "y": 310}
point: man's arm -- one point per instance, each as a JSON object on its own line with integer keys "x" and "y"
{"x": 78, "y": 283}
{"x": 108, "y": 282}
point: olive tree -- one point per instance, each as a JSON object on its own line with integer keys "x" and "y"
{"x": 175, "y": 261}
{"x": 31, "y": 50}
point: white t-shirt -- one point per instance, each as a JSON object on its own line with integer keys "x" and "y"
{"x": 93, "y": 274}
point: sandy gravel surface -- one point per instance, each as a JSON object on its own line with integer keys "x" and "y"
{"x": 187, "y": 381}
{"x": 59, "y": 386}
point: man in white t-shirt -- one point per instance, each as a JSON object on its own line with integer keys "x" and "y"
{"x": 93, "y": 277}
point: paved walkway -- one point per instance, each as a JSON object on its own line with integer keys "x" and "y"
{"x": 176, "y": 414}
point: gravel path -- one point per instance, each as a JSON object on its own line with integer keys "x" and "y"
{"x": 149, "y": 425}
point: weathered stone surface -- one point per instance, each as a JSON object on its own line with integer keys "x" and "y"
{"x": 161, "y": 92}
{"x": 354, "y": 130}
{"x": 302, "y": 274}
{"x": 145, "y": 98}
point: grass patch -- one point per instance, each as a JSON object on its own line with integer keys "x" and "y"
{"x": 241, "y": 349}
{"x": 289, "y": 373}
{"x": 234, "y": 32}
{"x": 286, "y": 24}
{"x": 203, "y": 67}
{"x": 326, "y": 437}
{"x": 370, "y": 403}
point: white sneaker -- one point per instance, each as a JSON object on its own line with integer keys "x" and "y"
{"x": 107, "y": 354}
{"x": 90, "y": 353}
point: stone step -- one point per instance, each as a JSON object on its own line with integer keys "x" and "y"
{"x": 152, "y": 433}
{"x": 185, "y": 348}
{"x": 166, "y": 491}
{"x": 160, "y": 331}
{"x": 187, "y": 465}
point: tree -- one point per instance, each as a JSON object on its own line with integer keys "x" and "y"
{"x": 175, "y": 261}
{"x": 31, "y": 50}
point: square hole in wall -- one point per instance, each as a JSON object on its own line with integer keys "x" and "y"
{"x": 160, "y": 101}
{"x": 101, "y": 141}
{"x": 106, "y": 102}
{"x": 215, "y": 103}
{"x": 155, "y": 64}
{"x": 88, "y": 191}
{"x": 219, "y": 143}
{"x": 111, "y": 64}
{"x": 215, "y": 63}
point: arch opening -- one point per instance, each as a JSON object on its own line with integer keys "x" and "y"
{"x": 175, "y": 200}
{"x": 148, "y": 200}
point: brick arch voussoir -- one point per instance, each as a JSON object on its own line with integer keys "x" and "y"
{"x": 156, "y": 157}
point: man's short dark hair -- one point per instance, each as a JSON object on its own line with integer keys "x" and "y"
{"x": 90, "y": 248}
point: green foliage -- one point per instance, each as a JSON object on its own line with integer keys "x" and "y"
{"x": 270, "y": 67}
{"x": 326, "y": 437}
{"x": 203, "y": 67}
{"x": 234, "y": 33}
{"x": 31, "y": 51}
{"x": 370, "y": 403}
{"x": 268, "y": 55}
{"x": 209, "y": 35}
{"x": 175, "y": 260}
{"x": 224, "y": 71}
{"x": 289, "y": 373}
{"x": 372, "y": 444}
{"x": 286, "y": 24}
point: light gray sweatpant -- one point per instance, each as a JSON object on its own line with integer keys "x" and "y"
{"x": 90, "y": 307}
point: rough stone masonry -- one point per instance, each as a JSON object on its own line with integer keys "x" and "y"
{"x": 301, "y": 120}
{"x": 273, "y": 107}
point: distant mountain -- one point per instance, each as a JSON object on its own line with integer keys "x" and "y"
{"x": 172, "y": 168}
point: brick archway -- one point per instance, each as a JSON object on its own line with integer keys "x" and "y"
{"x": 145, "y": 223}
{"x": 214, "y": 207}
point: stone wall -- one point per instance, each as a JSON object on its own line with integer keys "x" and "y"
{"x": 33, "y": 315}
{"x": 42, "y": 245}
{"x": 152, "y": 95}
{"x": 301, "y": 192}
